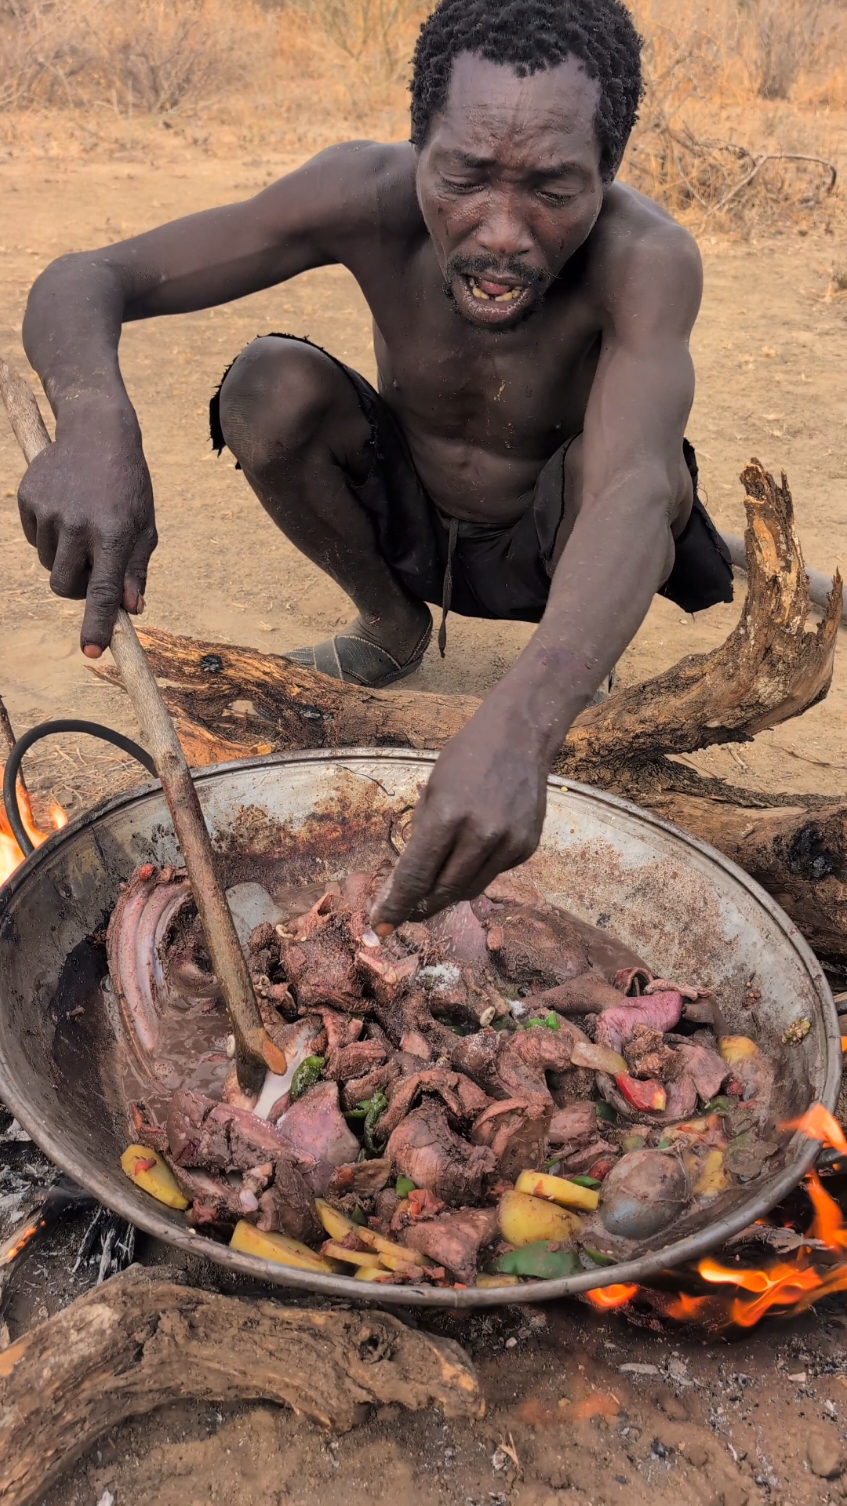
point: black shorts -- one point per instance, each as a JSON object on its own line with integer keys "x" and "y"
{"x": 487, "y": 570}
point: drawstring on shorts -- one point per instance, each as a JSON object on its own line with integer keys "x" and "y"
{"x": 447, "y": 593}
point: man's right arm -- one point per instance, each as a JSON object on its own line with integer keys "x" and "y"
{"x": 86, "y": 503}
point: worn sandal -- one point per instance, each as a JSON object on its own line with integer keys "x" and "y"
{"x": 356, "y": 660}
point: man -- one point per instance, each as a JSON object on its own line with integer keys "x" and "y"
{"x": 524, "y": 456}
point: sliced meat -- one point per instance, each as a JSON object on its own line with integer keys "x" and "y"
{"x": 575, "y": 1125}
{"x": 412, "y": 1012}
{"x": 139, "y": 928}
{"x": 341, "y": 1029}
{"x": 145, "y": 1130}
{"x": 424, "y": 1148}
{"x": 658, "y": 1011}
{"x": 214, "y": 1200}
{"x": 315, "y": 1127}
{"x": 459, "y": 934}
{"x": 414, "y": 1043}
{"x": 364, "y": 1178}
{"x": 526, "y": 1056}
{"x": 575, "y": 1162}
{"x": 384, "y": 976}
{"x": 317, "y": 957}
{"x": 361, "y": 1088}
{"x": 355, "y": 1060}
{"x": 516, "y": 1129}
{"x": 477, "y": 1057}
{"x": 462, "y": 1099}
{"x": 706, "y": 1069}
{"x": 468, "y": 996}
{"x": 251, "y": 1140}
{"x": 454, "y": 1240}
{"x": 192, "y": 1139}
{"x": 586, "y": 994}
{"x": 647, "y": 1055}
{"x": 535, "y": 949}
{"x": 288, "y": 1205}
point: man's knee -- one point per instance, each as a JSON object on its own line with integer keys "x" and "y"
{"x": 275, "y": 397}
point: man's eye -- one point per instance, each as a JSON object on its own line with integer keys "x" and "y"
{"x": 557, "y": 199}
{"x": 454, "y": 186}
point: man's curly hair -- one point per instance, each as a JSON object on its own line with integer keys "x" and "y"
{"x": 530, "y": 35}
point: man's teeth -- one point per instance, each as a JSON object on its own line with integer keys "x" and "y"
{"x": 508, "y": 297}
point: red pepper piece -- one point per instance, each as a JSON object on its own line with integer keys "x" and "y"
{"x": 649, "y": 1096}
{"x": 601, "y": 1169}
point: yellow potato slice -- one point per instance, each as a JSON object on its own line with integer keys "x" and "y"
{"x": 352, "y": 1257}
{"x": 524, "y": 1219}
{"x": 492, "y": 1281}
{"x": 337, "y": 1225}
{"x": 558, "y": 1190}
{"x": 279, "y": 1247}
{"x": 735, "y": 1048}
{"x": 156, "y": 1179}
{"x": 710, "y": 1178}
{"x": 391, "y": 1253}
{"x": 372, "y": 1273}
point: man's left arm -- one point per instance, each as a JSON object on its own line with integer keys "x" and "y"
{"x": 483, "y": 808}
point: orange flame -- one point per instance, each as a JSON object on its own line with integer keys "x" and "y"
{"x": 784, "y": 1286}
{"x": 10, "y": 853}
{"x": 818, "y": 1124}
{"x": 604, "y": 1297}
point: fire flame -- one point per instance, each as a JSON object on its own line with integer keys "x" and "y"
{"x": 783, "y": 1286}
{"x": 10, "y": 853}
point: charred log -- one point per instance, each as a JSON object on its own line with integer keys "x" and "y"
{"x": 144, "y": 1339}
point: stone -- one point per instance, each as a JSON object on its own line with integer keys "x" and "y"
{"x": 825, "y": 1454}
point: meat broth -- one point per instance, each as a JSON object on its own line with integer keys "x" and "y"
{"x": 505, "y": 1093}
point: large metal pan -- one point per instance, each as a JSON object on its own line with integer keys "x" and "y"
{"x": 311, "y": 817}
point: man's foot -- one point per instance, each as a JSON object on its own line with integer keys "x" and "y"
{"x": 356, "y": 658}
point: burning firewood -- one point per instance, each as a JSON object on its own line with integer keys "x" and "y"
{"x": 145, "y": 1339}
{"x": 771, "y": 668}
{"x": 10, "y": 853}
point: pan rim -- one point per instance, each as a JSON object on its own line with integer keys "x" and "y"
{"x": 800, "y": 1149}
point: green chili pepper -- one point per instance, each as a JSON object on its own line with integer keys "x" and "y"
{"x": 605, "y": 1112}
{"x": 552, "y": 1165}
{"x": 720, "y": 1105}
{"x": 598, "y": 1257}
{"x": 550, "y": 1020}
{"x": 585, "y": 1181}
{"x": 358, "y": 1216}
{"x": 306, "y": 1074}
{"x": 541, "y": 1259}
{"x": 378, "y": 1105}
{"x": 403, "y": 1186}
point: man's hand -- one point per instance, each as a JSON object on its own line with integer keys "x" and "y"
{"x": 86, "y": 505}
{"x": 481, "y": 813}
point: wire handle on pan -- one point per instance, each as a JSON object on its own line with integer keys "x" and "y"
{"x": 47, "y": 729}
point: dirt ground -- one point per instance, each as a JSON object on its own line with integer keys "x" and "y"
{"x": 707, "y": 1420}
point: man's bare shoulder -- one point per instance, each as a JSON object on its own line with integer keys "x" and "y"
{"x": 636, "y": 242}
{"x": 352, "y": 190}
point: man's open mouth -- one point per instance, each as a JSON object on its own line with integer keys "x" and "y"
{"x": 488, "y": 292}
{"x": 492, "y": 300}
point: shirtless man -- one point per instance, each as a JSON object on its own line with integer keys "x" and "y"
{"x": 524, "y": 456}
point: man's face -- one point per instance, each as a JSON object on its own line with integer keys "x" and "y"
{"x": 509, "y": 184}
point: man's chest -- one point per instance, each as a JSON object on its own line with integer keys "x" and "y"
{"x": 509, "y": 388}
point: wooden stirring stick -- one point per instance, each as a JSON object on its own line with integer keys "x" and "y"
{"x": 254, "y": 1050}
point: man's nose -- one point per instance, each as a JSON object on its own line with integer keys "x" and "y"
{"x": 504, "y": 231}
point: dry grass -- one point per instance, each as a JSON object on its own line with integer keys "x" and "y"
{"x": 743, "y": 95}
